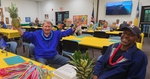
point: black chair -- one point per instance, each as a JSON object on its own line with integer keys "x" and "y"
{"x": 100, "y": 34}
{"x": 55, "y": 27}
{"x": 104, "y": 49}
{"x": 69, "y": 47}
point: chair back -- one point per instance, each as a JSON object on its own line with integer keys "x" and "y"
{"x": 70, "y": 46}
{"x": 100, "y": 34}
{"x": 104, "y": 49}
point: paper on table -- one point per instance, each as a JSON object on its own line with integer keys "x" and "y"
{"x": 14, "y": 60}
{"x": 115, "y": 41}
{"x": 76, "y": 40}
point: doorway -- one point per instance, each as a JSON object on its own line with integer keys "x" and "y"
{"x": 145, "y": 20}
{"x": 60, "y": 16}
{"x": 1, "y": 15}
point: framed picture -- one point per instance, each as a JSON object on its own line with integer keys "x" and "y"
{"x": 27, "y": 19}
{"x": 81, "y": 18}
{"x": 46, "y": 16}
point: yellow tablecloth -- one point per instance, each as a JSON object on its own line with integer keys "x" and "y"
{"x": 3, "y": 64}
{"x": 107, "y": 32}
{"x": 94, "y": 41}
{"x": 10, "y": 33}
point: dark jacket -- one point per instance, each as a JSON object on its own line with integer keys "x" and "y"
{"x": 133, "y": 66}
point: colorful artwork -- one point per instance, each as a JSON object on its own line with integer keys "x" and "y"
{"x": 81, "y": 18}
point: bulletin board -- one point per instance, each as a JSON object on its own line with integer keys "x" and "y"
{"x": 81, "y": 18}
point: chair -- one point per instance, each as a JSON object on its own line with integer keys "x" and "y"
{"x": 100, "y": 34}
{"x": 69, "y": 47}
{"x": 104, "y": 49}
{"x": 31, "y": 50}
{"x": 12, "y": 46}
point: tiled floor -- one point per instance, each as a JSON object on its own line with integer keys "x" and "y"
{"x": 146, "y": 49}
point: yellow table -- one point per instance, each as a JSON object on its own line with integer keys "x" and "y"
{"x": 10, "y": 33}
{"x": 28, "y": 27}
{"x": 34, "y": 27}
{"x": 4, "y": 64}
{"x": 107, "y": 32}
{"x": 94, "y": 41}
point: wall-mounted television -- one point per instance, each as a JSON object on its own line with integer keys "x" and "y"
{"x": 119, "y": 8}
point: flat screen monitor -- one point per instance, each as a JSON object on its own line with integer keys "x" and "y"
{"x": 119, "y": 8}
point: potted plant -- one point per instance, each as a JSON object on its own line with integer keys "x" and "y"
{"x": 84, "y": 65}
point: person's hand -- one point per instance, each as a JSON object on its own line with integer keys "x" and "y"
{"x": 77, "y": 23}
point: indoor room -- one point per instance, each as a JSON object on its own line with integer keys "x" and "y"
{"x": 74, "y": 39}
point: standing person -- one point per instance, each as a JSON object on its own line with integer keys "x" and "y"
{"x": 36, "y": 22}
{"x": 123, "y": 60}
{"x": 46, "y": 41}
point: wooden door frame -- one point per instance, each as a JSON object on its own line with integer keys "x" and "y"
{"x": 2, "y": 14}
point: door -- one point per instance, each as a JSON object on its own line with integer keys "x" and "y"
{"x": 145, "y": 20}
{"x": 60, "y": 16}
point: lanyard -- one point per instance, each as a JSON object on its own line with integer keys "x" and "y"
{"x": 51, "y": 34}
{"x": 112, "y": 56}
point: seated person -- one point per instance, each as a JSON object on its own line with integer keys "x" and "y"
{"x": 113, "y": 26}
{"x": 130, "y": 23}
{"x": 2, "y": 42}
{"x": 117, "y": 23}
{"x": 46, "y": 41}
{"x": 124, "y": 24}
{"x": 3, "y": 25}
{"x": 123, "y": 60}
{"x": 91, "y": 26}
{"x": 105, "y": 27}
{"x": 78, "y": 31}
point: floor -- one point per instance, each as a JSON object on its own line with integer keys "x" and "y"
{"x": 146, "y": 49}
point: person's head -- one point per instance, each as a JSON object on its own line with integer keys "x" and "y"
{"x": 130, "y": 23}
{"x": 36, "y": 18}
{"x": 105, "y": 25}
{"x": 91, "y": 24}
{"x": 117, "y": 21}
{"x": 130, "y": 36}
{"x": 125, "y": 22}
{"x": 47, "y": 26}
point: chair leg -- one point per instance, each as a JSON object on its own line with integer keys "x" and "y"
{"x": 93, "y": 52}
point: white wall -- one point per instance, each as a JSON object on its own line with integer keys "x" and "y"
{"x": 26, "y": 8}
{"x": 75, "y": 7}
{"x": 112, "y": 18}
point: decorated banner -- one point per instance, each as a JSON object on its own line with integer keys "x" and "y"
{"x": 81, "y": 18}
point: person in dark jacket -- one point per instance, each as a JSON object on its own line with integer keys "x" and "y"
{"x": 124, "y": 24}
{"x": 46, "y": 41}
{"x": 123, "y": 60}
